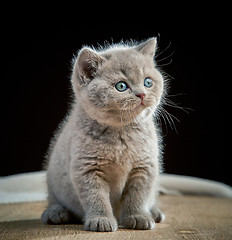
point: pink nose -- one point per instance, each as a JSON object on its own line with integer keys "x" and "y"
{"x": 140, "y": 95}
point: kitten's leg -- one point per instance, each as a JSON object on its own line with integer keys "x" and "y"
{"x": 55, "y": 212}
{"x": 138, "y": 192}
{"x": 93, "y": 192}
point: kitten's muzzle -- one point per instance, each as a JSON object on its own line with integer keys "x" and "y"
{"x": 141, "y": 96}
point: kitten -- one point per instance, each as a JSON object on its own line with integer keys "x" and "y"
{"x": 104, "y": 163}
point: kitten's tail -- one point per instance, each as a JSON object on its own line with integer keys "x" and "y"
{"x": 177, "y": 184}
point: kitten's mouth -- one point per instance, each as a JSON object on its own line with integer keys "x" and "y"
{"x": 141, "y": 104}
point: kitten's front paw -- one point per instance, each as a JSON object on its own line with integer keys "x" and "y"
{"x": 55, "y": 214}
{"x": 157, "y": 215}
{"x": 101, "y": 224}
{"x": 139, "y": 221}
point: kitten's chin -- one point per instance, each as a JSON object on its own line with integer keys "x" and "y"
{"x": 120, "y": 118}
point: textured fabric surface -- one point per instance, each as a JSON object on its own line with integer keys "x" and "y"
{"x": 187, "y": 217}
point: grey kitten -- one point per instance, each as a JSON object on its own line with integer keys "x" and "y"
{"x": 104, "y": 163}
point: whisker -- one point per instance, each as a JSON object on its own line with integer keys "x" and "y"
{"x": 175, "y": 95}
{"x": 157, "y": 117}
{"x": 170, "y": 120}
{"x": 134, "y": 117}
{"x": 165, "y": 64}
{"x": 163, "y": 50}
{"x": 150, "y": 109}
{"x": 170, "y": 103}
{"x": 172, "y": 116}
{"x": 165, "y": 57}
{"x": 167, "y": 75}
{"x": 164, "y": 119}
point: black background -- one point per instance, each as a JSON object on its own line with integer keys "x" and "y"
{"x": 36, "y": 61}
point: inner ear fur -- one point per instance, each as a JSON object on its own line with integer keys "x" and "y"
{"x": 148, "y": 47}
{"x": 88, "y": 62}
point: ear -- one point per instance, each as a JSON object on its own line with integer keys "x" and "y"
{"x": 148, "y": 47}
{"x": 88, "y": 62}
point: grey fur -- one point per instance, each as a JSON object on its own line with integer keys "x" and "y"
{"x": 104, "y": 163}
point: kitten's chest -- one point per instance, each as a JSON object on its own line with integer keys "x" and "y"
{"x": 114, "y": 154}
{"x": 128, "y": 151}
{"x": 117, "y": 148}
{"x": 131, "y": 145}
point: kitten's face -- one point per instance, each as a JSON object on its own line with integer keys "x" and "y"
{"x": 120, "y": 85}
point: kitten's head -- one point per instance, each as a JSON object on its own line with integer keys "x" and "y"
{"x": 118, "y": 85}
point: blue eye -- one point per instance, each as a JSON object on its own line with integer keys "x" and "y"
{"x": 148, "y": 82}
{"x": 121, "y": 86}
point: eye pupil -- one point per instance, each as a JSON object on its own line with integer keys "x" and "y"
{"x": 121, "y": 86}
{"x": 148, "y": 82}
